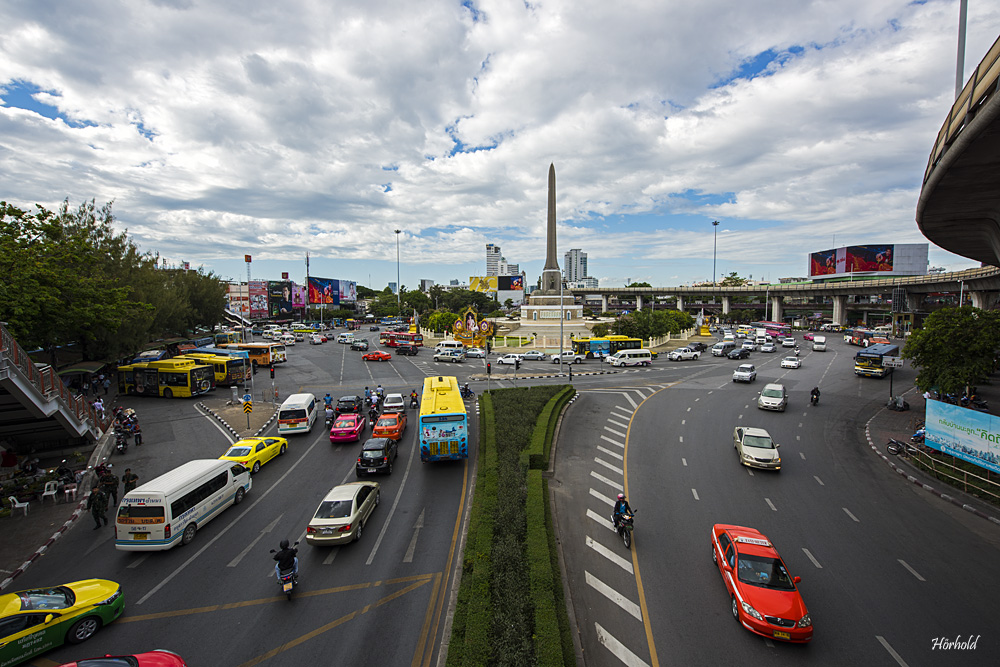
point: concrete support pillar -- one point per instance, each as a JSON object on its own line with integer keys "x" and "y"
{"x": 727, "y": 304}
{"x": 984, "y": 300}
{"x": 839, "y": 309}
{"x": 604, "y": 303}
{"x": 680, "y": 303}
{"x": 777, "y": 304}
{"x": 638, "y": 302}
{"x": 913, "y": 301}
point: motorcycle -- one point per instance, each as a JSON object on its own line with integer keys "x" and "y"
{"x": 918, "y": 437}
{"x": 414, "y": 404}
{"x": 121, "y": 442}
{"x": 897, "y": 404}
{"x": 623, "y": 526}
{"x": 813, "y": 399}
{"x": 467, "y": 392}
{"x": 287, "y": 578}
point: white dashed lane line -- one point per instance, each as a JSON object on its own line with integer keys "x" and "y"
{"x": 613, "y": 442}
{"x": 812, "y": 558}
{"x": 910, "y": 569}
{"x": 602, "y": 462}
{"x": 854, "y": 518}
{"x": 614, "y": 485}
{"x": 603, "y": 498}
{"x": 611, "y": 430}
{"x": 610, "y": 453}
{"x": 610, "y": 555}
{"x": 618, "y": 649}
{"x": 613, "y": 595}
{"x": 604, "y": 521}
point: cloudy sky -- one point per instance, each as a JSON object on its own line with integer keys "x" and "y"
{"x": 224, "y": 128}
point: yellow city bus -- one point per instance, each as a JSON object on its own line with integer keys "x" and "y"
{"x": 443, "y": 421}
{"x": 228, "y": 371}
{"x": 169, "y": 378}
{"x": 262, "y": 354}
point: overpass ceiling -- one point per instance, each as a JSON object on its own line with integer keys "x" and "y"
{"x": 959, "y": 206}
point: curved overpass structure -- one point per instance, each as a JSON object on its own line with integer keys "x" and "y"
{"x": 959, "y": 205}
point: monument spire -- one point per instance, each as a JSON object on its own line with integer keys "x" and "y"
{"x": 551, "y": 275}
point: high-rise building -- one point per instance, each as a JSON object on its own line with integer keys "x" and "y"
{"x": 492, "y": 259}
{"x": 426, "y": 284}
{"x": 575, "y": 266}
{"x": 505, "y": 268}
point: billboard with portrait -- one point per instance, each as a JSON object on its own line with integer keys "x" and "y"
{"x": 298, "y": 296}
{"x": 279, "y": 294}
{"x": 348, "y": 291}
{"x": 966, "y": 434}
{"x": 324, "y": 291}
{"x": 869, "y": 258}
{"x": 823, "y": 263}
{"x": 483, "y": 283}
{"x": 258, "y": 299}
{"x": 896, "y": 259}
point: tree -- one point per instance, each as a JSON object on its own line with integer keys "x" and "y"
{"x": 600, "y": 330}
{"x": 639, "y": 285}
{"x": 441, "y": 320}
{"x": 955, "y": 348}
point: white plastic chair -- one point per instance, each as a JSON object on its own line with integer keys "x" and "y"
{"x": 70, "y": 491}
{"x": 51, "y": 489}
{"x": 15, "y": 505}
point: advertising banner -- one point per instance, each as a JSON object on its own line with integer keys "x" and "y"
{"x": 483, "y": 283}
{"x": 324, "y": 290}
{"x": 856, "y": 259}
{"x": 869, "y": 258}
{"x": 348, "y": 291}
{"x": 510, "y": 283}
{"x": 823, "y": 263}
{"x": 298, "y": 296}
{"x": 258, "y": 299}
{"x": 279, "y": 294}
{"x": 966, "y": 434}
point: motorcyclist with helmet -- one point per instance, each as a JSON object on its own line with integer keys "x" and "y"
{"x": 814, "y": 395}
{"x": 621, "y": 507}
{"x": 287, "y": 560}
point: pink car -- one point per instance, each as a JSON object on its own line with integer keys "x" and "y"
{"x": 808, "y": 335}
{"x": 347, "y": 427}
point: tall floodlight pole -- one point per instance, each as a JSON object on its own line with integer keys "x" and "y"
{"x": 963, "y": 13}
{"x": 399, "y": 304}
{"x": 715, "y": 247}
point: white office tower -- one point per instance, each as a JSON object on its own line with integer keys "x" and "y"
{"x": 575, "y": 263}
{"x": 492, "y": 260}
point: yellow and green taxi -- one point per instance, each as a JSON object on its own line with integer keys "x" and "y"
{"x": 37, "y": 620}
{"x": 252, "y": 453}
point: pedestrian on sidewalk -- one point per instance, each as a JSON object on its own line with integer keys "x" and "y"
{"x": 137, "y": 434}
{"x": 86, "y": 388}
{"x": 99, "y": 408}
{"x": 109, "y": 485}
{"x": 107, "y": 385}
{"x": 98, "y": 506}
{"x": 130, "y": 480}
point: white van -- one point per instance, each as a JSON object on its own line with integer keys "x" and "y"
{"x": 288, "y": 338}
{"x": 345, "y": 338}
{"x": 449, "y": 345}
{"x": 168, "y": 510}
{"x": 297, "y": 414}
{"x": 819, "y": 343}
{"x": 723, "y": 348}
{"x": 631, "y": 358}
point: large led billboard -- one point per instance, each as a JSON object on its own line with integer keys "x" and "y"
{"x": 898, "y": 259}
{"x": 510, "y": 283}
{"x": 483, "y": 283}
{"x": 324, "y": 290}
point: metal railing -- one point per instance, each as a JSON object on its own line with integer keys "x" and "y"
{"x": 49, "y": 384}
{"x": 936, "y": 464}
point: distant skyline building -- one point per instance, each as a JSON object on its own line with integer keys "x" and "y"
{"x": 505, "y": 268}
{"x": 575, "y": 265}
{"x": 426, "y": 284}
{"x": 583, "y": 283}
{"x": 493, "y": 258}
{"x": 392, "y": 287}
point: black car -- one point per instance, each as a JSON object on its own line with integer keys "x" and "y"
{"x": 373, "y": 327}
{"x": 359, "y": 344}
{"x": 740, "y": 353}
{"x": 697, "y": 347}
{"x": 347, "y": 404}
{"x": 408, "y": 350}
{"x": 377, "y": 455}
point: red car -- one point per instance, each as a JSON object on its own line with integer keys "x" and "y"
{"x": 807, "y": 335}
{"x": 762, "y": 594}
{"x": 155, "y": 658}
{"x": 347, "y": 428}
{"x": 377, "y": 356}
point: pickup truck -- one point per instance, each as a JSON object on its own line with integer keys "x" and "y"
{"x": 682, "y": 354}
{"x": 568, "y": 357}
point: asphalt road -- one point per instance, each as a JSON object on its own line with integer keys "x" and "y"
{"x": 381, "y": 600}
{"x": 886, "y": 568}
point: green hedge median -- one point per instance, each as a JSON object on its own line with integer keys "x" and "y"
{"x": 510, "y": 608}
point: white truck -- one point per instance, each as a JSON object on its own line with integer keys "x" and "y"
{"x": 819, "y": 343}
{"x": 568, "y": 357}
{"x": 683, "y": 354}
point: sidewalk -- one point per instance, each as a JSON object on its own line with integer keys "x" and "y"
{"x": 25, "y": 539}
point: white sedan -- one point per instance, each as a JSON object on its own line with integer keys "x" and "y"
{"x": 791, "y": 362}
{"x": 509, "y": 359}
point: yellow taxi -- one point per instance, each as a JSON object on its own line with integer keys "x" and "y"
{"x": 252, "y": 453}
{"x": 40, "y": 619}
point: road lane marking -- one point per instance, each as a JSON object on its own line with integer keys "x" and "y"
{"x": 408, "y": 558}
{"x": 614, "y": 485}
{"x": 330, "y": 556}
{"x": 225, "y": 530}
{"x": 802, "y": 455}
{"x": 850, "y": 515}
{"x": 626, "y": 410}
{"x": 695, "y": 493}
{"x": 614, "y": 455}
{"x": 911, "y": 570}
{"x": 819, "y": 480}
{"x": 618, "y": 649}
{"x": 603, "y": 498}
{"x": 591, "y": 514}
{"x": 618, "y": 424}
{"x": 392, "y": 510}
{"x": 684, "y": 461}
{"x": 689, "y": 409}
{"x": 613, "y": 595}
{"x": 611, "y": 430}
{"x": 683, "y": 421}
{"x": 105, "y": 536}
{"x": 749, "y": 470}
{"x": 613, "y": 442}
{"x": 267, "y": 529}
{"x": 770, "y": 504}
{"x": 899, "y": 660}
{"x": 215, "y": 422}
{"x": 139, "y": 561}
{"x": 812, "y": 558}
{"x": 610, "y": 555}
{"x": 608, "y": 466}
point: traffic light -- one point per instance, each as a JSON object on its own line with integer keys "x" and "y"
{"x": 517, "y": 364}
{"x": 489, "y": 368}
{"x": 272, "y": 372}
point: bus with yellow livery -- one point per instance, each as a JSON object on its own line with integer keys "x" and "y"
{"x": 262, "y": 354}
{"x": 443, "y": 421}
{"x": 227, "y": 371}
{"x": 604, "y": 346}
{"x": 169, "y": 378}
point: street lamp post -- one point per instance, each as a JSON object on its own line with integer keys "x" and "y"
{"x": 399, "y": 305}
{"x": 715, "y": 246}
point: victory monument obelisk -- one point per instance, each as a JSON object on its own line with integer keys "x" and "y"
{"x": 546, "y": 308}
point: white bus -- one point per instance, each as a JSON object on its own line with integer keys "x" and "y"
{"x": 168, "y": 510}
{"x": 297, "y": 414}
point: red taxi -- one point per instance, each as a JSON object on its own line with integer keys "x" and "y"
{"x": 347, "y": 427}
{"x": 377, "y": 356}
{"x": 763, "y": 595}
{"x": 390, "y": 425}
